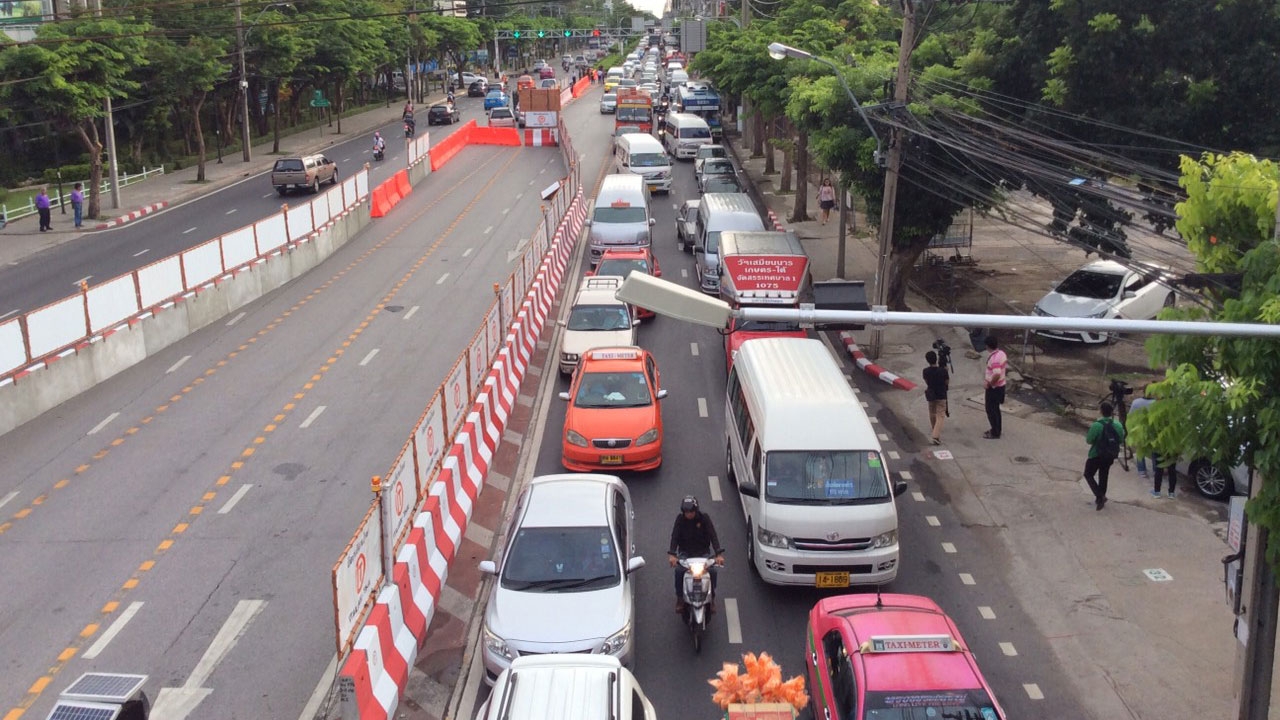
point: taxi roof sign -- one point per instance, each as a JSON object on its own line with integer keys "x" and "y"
{"x": 910, "y": 644}
{"x": 620, "y": 204}
{"x": 615, "y": 354}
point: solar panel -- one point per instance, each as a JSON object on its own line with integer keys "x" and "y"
{"x": 104, "y": 687}
{"x": 83, "y": 711}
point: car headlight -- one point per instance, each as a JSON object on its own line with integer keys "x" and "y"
{"x": 617, "y": 641}
{"x": 496, "y": 644}
{"x": 647, "y": 437}
{"x": 885, "y": 539}
{"x": 772, "y": 539}
{"x": 569, "y": 357}
{"x": 1037, "y": 310}
{"x": 1101, "y": 314}
{"x": 575, "y": 438}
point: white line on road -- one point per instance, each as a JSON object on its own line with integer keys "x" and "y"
{"x": 101, "y": 643}
{"x": 368, "y": 357}
{"x": 906, "y": 475}
{"x": 488, "y": 230}
{"x": 731, "y": 617}
{"x": 917, "y": 496}
{"x": 140, "y": 253}
{"x": 530, "y": 182}
{"x": 986, "y": 612}
{"x": 191, "y": 229}
{"x": 231, "y": 211}
{"x": 948, "y": 548}
{"x": 235, "y": 319}
{"x": 104, "y": 423}
{"x": 346, "y": 160}
{"x": 1033, "y": 691}
{"x": 675, "y": 206}
{"x": 268, "y": 195}
{"x": 684, "y": 272}
{"x": 81, "y": 281}
{"x": 467, "y": 252}
{"x": 442, "y": 279}
{"x": 235, "y": 499}
{"x": 967, "y": 579}
{"x": 693, "y": 348}
{"x": 1008, "y": 649}
{"x": 11, "y": 312}
{"x": 506, "y": 210}
{"x": 226, "y": 639}
{"x": 5, "y": 500}
{"x": 893, "y": 455}
{"x": 702, "y": 407}
{"x": 312, "y": 417}
{"x": 543, "y": 170}
{"x": 933, "y": 520}
{"x": 883, "y": 437}
{"x": 874, "y": 420}
{"x": 412, "y": 310}
{"x": 178, "y": 364}
{"x": 519, "y": 195}
{"x": 312, "y": 708}
{"x": 714, "y": 481}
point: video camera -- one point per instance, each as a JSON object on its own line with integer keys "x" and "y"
{"x": 1120, "y": 388}
{"x": 944, "y": 353}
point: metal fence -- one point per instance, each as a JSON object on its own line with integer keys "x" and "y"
{"x": 59, "y": 200}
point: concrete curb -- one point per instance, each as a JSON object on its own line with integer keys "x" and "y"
{"x": 146, "y": 210}
{"x": 871, "y": 368}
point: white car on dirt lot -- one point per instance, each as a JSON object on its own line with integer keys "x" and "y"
{"x": 1104, "y": 289}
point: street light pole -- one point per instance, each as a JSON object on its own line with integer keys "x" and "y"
{"x": 247, "y": 154}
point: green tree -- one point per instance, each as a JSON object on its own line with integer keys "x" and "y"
{"x": 191, "y": 70}
{"x": 455, "y": 37}
{"x": 1219, "y": 399}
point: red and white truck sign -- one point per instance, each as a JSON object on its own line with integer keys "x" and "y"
{"x": 762, "y": 268}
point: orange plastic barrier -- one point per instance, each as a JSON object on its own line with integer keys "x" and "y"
{"x": 494, "y": 136}
{"x": 581, "y": 86}
{"x": 444, "y": 151}
{"x": 402, "y": 184}
{"x": 391, "y": 192}
{"x": 378, "y": 200}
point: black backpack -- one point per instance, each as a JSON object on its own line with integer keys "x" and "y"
{"x": 1109, "y": 441}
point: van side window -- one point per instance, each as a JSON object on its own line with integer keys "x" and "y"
{"x": 738, "y": 403}
{"x": 757, "y": 466}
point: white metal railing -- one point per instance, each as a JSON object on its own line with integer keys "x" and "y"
{"x": 57, "y": 201}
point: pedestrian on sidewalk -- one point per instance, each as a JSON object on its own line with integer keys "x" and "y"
{"x": 1138, "y": 404}
{"x": 77, "y": 203}
{"x": 827, "y": 200}
{"x": 42, "y": 209}
{"x": 1105, "y": 438}
{"x": 936, "y": 382}
{"x": 993, "y": 398}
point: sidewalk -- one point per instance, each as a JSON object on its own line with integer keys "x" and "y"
{"x": 1132, "y": 647}
{"x": 22, "y": 238}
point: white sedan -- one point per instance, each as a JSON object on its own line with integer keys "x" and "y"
{"x": 1104, "y": 289}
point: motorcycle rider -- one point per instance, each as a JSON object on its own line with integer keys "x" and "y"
{"x": 379, "y": 145}
{"x": 693, "y": 535}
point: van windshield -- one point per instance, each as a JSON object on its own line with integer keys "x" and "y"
{"x": 649, "y": 160}
{"x": 695, "y": 132}
{"x": 618, "y": 215}
{"x": 825, "y": 477}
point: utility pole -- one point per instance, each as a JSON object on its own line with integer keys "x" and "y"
{"x": 113, "y": 168}
{"x": 244, "y": 87}
{"x": 894, "y": 169}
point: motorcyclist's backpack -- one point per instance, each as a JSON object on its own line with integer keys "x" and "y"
{"x": 1109, "y": 440}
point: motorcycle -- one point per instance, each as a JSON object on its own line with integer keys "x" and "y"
{"x": 408, "y": 130}
{"x": 378, "y": 153}
{"x": 697, "y": 596}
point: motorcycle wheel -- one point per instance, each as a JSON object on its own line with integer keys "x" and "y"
{"x": 697, "y": 638}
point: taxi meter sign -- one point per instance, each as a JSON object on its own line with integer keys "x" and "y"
{"x": 766, "y": 272}
{"x": 910, "y": 643}
{"x": 614, "y": 354}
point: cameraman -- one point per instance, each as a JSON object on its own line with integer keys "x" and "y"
{"x": 936, "y": 382}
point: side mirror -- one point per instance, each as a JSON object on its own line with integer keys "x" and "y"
{"x": 564, "y": 396}
{"x": 1130, "y": 294}
{"x": 653, "y": 221}
{"x": 662, "y": 394}
{"x": 562, "y": 323}
{"x": 749, "y": 489}
{"x": 899, "y": 487}
{"x": 635, "y": 564}
{"x": 488, "y": 567}
{"x": 635, "y": 322}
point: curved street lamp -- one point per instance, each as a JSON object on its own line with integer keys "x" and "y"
{"x": 778, "y": 51}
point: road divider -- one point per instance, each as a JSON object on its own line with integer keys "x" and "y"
{"x": 581, "y": 86}
{"x": 870, "y": 368}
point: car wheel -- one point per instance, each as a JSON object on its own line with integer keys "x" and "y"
{"x": 1169, "y": 300}
{"x": 1210, "y": 480}
{"x": 282, "y": 191}
{"x": 315, "y": 185}
{"x": 334, "y": 179}
{"x": 728, "y": 465}
{"x": 751, "y": 547}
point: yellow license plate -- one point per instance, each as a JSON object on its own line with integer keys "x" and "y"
{"x": 832, "y": 580}
{"x": 617, "y": 460}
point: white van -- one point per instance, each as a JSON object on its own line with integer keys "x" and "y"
{"x": 620, "y": 217}
{"x": 677, "y": 78}
{"x": 808, "y": 468}
{"x": 685, "y": 133}
{"x": 571, "y": 686}
{"x": 717, "y": 213}
{"x": 641, "y": 154}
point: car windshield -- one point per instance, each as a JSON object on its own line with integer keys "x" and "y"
{"x": 599, "y": 317}
{"x": 495, "y": 93}
{"x": 1090, "y": 284}
{"x": 649, "y": 160}
{"x": 712, "y": 151}
{"x": 694, "y": 133}
{"x": 290, "y": 165}
{"x": 927, "y": 705}
{"x": 717, "y": 166}
{"x": 499, "y": 113}
{"x": 618, "y": 215}
{"x": 626, "y": 130}
{"x": 561, "y": 559}
{"x": 633, "y": 114}
{"x": 825, "y": 477}
{"x": 622, "y": 268}
{"x": 767, "y": 326}
{"x": 608, "y": 98}
{"x": 612, "y": 390}
{"x": 722, "y": 183}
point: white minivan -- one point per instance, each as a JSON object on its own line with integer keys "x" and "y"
{"x": 808, "y": 468}
{"x": 717, "y": 213}
{"x": 620, "y": 217}
{"x": 641, "y": 154}
{"x": 684, "y": 134}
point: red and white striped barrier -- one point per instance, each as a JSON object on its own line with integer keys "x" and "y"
{"x": 777, "y": 224}
{"x": 871, "y": 368}
{"x": 154, "y": 207}
{"x": 540, "y": 137}
{"x": 376, "y": 670}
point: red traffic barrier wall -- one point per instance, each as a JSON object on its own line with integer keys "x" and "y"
{"x": 494, "y": 136}
{"x": 444, "y": 151}
{"x": 581, "y": 86}
{"x": 402, "y": 183}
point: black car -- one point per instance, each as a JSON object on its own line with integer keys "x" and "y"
{"x": 443, "y": 114}
{"x": 478, "y": 88}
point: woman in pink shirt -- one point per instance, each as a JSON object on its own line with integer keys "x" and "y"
{"x": 994, "y": 377}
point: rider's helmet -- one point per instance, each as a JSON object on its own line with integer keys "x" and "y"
{"x": 689, "y": 504}
{"x": 376, "y": 134}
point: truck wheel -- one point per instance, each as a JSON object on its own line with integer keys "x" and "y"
{"x": 334, "y": 179}
{"x": 315, "y": 185}
{"x": 282, "y": 191}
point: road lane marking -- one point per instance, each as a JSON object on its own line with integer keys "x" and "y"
{"x": 702, "y": 407}
{"x": 231, "y": 503}
{"x": 731, "y": 617}
{"x": 893, "y": 455}
{"x": 230, "y": 633}
{"x": 906, "y": 475}
{"x": 488, "y": 230}
{"x": 5, "y": 500}
{"x": 142, "y": 252}
{"x": 874, "y": 420}
{"x": 684, "y": 272}
{"x": 882, "y": 436}
{"x": 530, "y": 182}
{"x": 103, "y": 424}
{"x": 932, "y": 520}
{"x": 675, "y": 206}
{"x": 986, "y": 612}
{"x": 713, "y": 480}
{"x": 268, "y": 195}
{"x": 191, "y": 229}
{"x": 693, "y": 348}
{"x": 917, "y": 496}
{"x": 967, "y": 579}
{"x": 442, "y": 279}
{"x": 865, "y": 404}
{"x": 231, "y": 211}
{"x": 519, "y": 195}
{"x": 81, "y": 281}
{"x": 467, "y": 252}
{"x": 542, "y": 171}
{"x": 948, "y": 548}
{"x": 312, "y": 417}
{"x": 368, "y": 357}
{"x": 1033, "y": 691}
{"x": 1008, "y": 649}
{"x": 11, "y": 312}
{"x": 101, "y": 643}
{"x": 235, "y": 319}
{"x": 506, "y": 210}
{"x": 178, "y": 364}
{"x": 412, "y": 310}
{"x": 312, "y": 708}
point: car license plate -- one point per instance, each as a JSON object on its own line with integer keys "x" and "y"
{"x": 832, "y": 580}
{"x": 617, "y": 460}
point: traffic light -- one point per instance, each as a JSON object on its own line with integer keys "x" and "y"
{"x": 515, "y": 34}
{"x": 542, "y": 33}
{"x": 596, "y": 32}
{"x": 568, "y": 33}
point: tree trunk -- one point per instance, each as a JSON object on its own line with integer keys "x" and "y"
{"x": 800, "y": 211}
{"x": 337, "y": 105}
{"x": 196, "y": 103}
{"x": 757, "y": 136}
{"x": 275, "y": 116}
{"x": 88, "y": 132}
{"x": 769, "y": 165}
{"x": 902, "y": 263}
{"x": 788, "y": 152}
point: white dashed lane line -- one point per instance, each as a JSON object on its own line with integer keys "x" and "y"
{"x": 467, "y": 252}
{"x": 235, "y": 319}
{"x": 882, "y": 436}
{"x": 1008, "y": 649}
{"x": 412, "y": 310}
{"x": 731, "y": 618}
{"x": 967, "y": 579}
{"x": 702, "y": 407}
{"x": 506, "y": 210}
{"x": 264, "y": 197}
{"x": 932, "y": 520}
{"x": 684, "y": 272}
{"x": 442, "y": 279}
{"x": 11, "y": 312}
{"x": 104, "y": 423}
{"x": 231, "y": 503}
{"x": 893, "y": 455}
{"x": 312, "y": 417}
{"x": 488, "y": 230}
{"x": 1033, "y": 691}
{"x": 906, "y": 475}
{"x": 81, "y": 281}
{"x": 140, "y": 253}
{"x": 191, "y": 229}
{"x": 178, "y": 364}
{"x": 232, "y": 211}
{"x": 986, "y": 612}
{"x": 519, "y": 195}
{"x": 5, "y": 500}
{"x": 874, "y": 421}
{"x": 948, "y": 548}
{"x": 693, "y": 349}
{"x": 368, "y": 357}
{"x": 101, "y": 643}
{"x": 712, "y": 480}
{"x": 917, "y": 496}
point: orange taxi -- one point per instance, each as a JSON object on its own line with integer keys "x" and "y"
{"x": 623, "y": 261}
{"x": 613, "y": 420}
{"x": 892, "y": 656}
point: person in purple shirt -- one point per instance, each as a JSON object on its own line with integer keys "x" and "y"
{"x": 77, "y": 203}
{"x": 42, "y": 207}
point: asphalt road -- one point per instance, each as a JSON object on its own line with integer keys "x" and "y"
{"x": 936, "y": 549}
{"x": 56, "y": 272}
{"x": 204, "y": 495}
